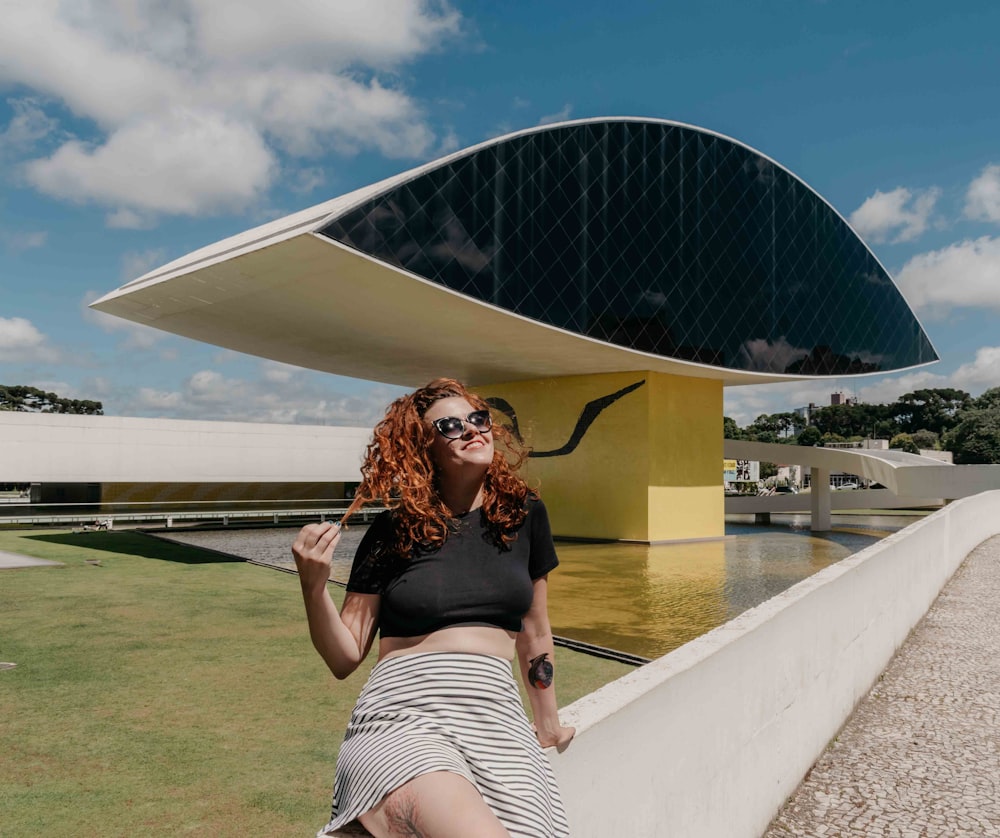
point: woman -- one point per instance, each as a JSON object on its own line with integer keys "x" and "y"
{"x": 454, "y": 579}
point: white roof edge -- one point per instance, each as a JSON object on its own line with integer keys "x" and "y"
{"x": 777, "y": 377}
{"x": 186, "y": 425}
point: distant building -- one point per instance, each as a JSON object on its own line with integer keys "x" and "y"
{"x": 842, "y": 398}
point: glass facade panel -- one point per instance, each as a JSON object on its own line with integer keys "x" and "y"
{"x": 652, "y": 236}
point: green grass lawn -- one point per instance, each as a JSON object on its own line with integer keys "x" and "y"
{"x": 161, "y": 689}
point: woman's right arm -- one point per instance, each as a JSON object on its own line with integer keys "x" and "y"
{"x": 342, "y": 639}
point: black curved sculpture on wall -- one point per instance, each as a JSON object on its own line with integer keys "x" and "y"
{"x": 651, "y": 235}
{"x": 591, "y": 410}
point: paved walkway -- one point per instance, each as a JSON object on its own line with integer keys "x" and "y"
{"x": 920, "y": 757}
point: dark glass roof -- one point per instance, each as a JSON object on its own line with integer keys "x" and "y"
{"x": 650, "y": 235}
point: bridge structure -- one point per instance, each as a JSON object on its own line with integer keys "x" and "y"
{"x": 909, "y": 480}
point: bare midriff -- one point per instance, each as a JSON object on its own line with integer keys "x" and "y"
{"x": 466, "y": 639}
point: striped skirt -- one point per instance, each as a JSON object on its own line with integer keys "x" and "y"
{"x": 443, "y": 711}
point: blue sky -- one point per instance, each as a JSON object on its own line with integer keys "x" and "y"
{"x": 135, "y": 131}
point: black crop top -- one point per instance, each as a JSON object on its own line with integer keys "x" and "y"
{"x": 468, "y": 580}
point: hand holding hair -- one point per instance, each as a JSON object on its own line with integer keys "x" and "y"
{"x": 313, "y": 552}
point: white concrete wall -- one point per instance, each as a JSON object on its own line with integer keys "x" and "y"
{"x": 61, "y": 448}
{"x": 712, "y": 738}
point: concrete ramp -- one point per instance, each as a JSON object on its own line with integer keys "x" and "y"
{"x": 904, "y": 475}
{"x": 910, "y": 479}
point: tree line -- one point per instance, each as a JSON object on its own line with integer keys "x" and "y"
{"x": 31, "y": 399}
{"x": 943, "y": 418}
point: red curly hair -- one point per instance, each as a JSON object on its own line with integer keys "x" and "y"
{"x": 399, "y": 472}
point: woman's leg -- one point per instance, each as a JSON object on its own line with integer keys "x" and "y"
{"x": 436, "y": 805}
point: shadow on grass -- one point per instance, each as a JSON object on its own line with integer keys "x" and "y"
{"x": 137, "y": 544}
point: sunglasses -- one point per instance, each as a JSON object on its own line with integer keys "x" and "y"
{"x": 453, "y": 427}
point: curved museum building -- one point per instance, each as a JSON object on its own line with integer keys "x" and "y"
{"x": 600, "y": 280}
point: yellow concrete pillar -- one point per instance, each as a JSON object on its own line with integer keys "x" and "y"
{"x": 634, "y": 456}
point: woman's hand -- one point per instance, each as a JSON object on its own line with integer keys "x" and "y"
{"x": 341, "y": 638}
{"x": 313, "y": 552}
{"x": 558, "y": 737}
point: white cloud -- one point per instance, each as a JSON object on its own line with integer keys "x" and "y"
{"x": 20, "y": 341}
{"x": 309, "y": 112}
{"x": 208, "y": 387}
{"x": 974, "y": 377}
{"x": 160, "y": 402}
{"x": 28, "y": 125}
{"x": 97, "y": 386}
{"x": 124, "y": 218}
{"x": 278, "y": 393}
{"x": 318, "y": 33}
{"x": 499, "y": 130}
{"x": 449, "y": 142}
{"x": 136, "y": 263}
{"x": 306, "y": 179}
{"x": 900, "y": 212}
{"x": 60, "y": 388}
{"x": 887, "y": 390}
{"x": 23, "y": 239}
{"x": 744, "y": 404}
{"x": 963, "y": 274}
{"x": 559, "y": 116}
{"x": 980, "y": 374}
{"x": 182, "y": 161}
{"x": 92, "y": 58}
{"x": 982, "y": 200}
{"x": 225, "y": 356}
{"x": 274, "y": 372}
{"x": 195, "y": 99}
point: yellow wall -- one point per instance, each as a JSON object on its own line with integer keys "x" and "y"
{"x": 647, "y": 469}
{"x": 686, "y": 497}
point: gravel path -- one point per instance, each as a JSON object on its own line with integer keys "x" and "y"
{"x": 920, "y": 757}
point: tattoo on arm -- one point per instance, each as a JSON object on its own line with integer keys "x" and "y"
{"x": 540, "y": 672}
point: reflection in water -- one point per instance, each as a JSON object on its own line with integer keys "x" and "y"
{"x": 649, "y": 599}
{"x": 638, "y": 598}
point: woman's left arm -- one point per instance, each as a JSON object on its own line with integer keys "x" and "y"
{"x": 536, "y": 656}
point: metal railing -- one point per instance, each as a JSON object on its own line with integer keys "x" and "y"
{"x": 224, "y": 513}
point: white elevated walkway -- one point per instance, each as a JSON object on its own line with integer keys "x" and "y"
{"x": 909, "y": 479}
